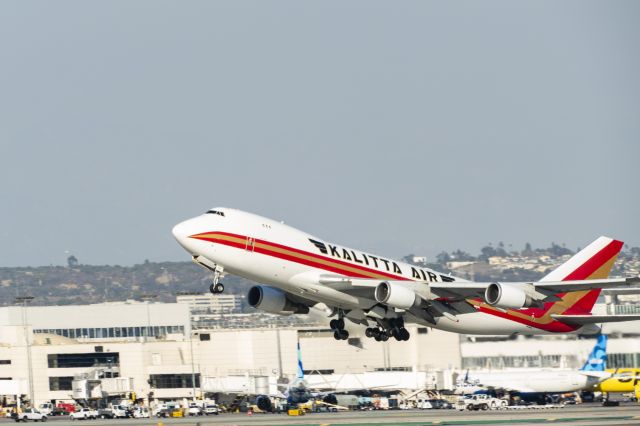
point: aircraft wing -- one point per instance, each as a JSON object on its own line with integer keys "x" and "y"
{"x": 577, "y": 285}
{"x": 464, "y": 289}
{"x": 458, "y": 290}
{"x": 593, "y": 319}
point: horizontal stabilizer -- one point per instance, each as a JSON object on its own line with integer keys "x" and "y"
{"x": 593, "y": 319}
{"x": 602, "y": 375}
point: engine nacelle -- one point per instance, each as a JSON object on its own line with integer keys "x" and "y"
{"x": 396, "y": 295}
{"x": 274, "y": 301}
{"x": 507, "y": 296}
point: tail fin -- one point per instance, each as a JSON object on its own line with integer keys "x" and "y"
{"x": 300, "y": 374}
{"x": 593, "y": 262}
{"x": 597, "y": 359}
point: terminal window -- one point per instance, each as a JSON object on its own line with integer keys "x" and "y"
{"x": 5, "y": 361}
{"x": 114, "y": 332}
{"x": 94, "y": 359}
{"x": 172, "y": 381}
{"x": 61, "y": 383}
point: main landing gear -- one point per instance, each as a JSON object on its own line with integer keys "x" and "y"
{"x": 395, "y": 329}
{"x": 337, "y": 325}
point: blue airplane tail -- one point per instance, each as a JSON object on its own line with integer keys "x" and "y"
{"x": 300, "y": 369}
{"x": 597, "y": 359}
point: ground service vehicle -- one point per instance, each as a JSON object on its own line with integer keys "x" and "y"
{"x": 106, "y": 413}
{"x": 46, "y": 408}
{"x": 141, "y": 413}
{"x": 424, "y": 404}
{"x": 195, "y": 410}
{"x": 84, "y": 414}
{"x": 481, "y": 402}
{"x": 29, "y": 414}
{"x": 59, "y": 411}
{"x": 211, "y": 409}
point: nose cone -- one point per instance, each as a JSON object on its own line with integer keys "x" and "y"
{"x": 182, "y": 232}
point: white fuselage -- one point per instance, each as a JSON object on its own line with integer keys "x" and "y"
{"x": 536, "y": 381}
{"x": 270, "y": 252}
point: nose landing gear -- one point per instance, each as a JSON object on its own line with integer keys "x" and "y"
{"x": 216, "y": 286}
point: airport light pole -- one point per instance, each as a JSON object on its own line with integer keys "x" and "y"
{"x": 147, "y": 297}
{"x": 24, "y": 300}
{"x": 193, "y": 368}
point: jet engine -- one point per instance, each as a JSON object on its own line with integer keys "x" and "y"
{"x": 396, "y": 295}
{"x": 274, "y": 301}
{"x": 507, "y": 296}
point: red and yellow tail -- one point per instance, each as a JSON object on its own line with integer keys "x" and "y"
{"x": 593, "y": 262}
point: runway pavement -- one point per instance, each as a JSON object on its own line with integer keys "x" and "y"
{"x": 628, "y": 414}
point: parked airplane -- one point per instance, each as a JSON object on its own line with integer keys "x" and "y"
{"x": 297, "y": 392}
{"x": 622, "y": 380}
{"x": 299, "y": 270}
{"x": 546, "y": 381}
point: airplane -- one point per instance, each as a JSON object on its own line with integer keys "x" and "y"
{"x": 537, "y": 383}
{"x": 622, "y": 380}
{"x": 297, "y": 392}
{"x": 298, "y": 270}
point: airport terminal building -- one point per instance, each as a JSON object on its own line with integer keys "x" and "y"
{"x": 114, "y": 349}
{"x": 153, "y": 351}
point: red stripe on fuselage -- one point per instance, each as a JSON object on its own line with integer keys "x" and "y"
{"x": 295, "y": 259}
{"x": 553, "y": 326}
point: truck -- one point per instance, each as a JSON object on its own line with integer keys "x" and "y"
{"x": 211, "y": 409}
{"x": 141, "y": 413}
{"x": 46, "y": 408}
{"x": 84, "y": 414}
{"x": 28, "y": 414}
{"x": 115, "y": 412}
{"x": 481, "y": 402}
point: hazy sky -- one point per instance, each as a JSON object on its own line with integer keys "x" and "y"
{"x": 394, "y": 127}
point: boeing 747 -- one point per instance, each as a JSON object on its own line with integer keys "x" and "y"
{"x": 297, "y": 270}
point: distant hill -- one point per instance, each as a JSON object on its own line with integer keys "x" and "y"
{"x": 82, "y": 284}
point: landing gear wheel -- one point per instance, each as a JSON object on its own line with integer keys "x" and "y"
{"x": 403, "y": 334}
{"x": 334, "y": 324}
{"x": 368, "y": 332}
{"x": 337, "y": 335}
{"x": 216, "y": 288}
{"x": 344, "y": 334}
{"x": 340, "y": 324}
{"x": 384, "y": 337}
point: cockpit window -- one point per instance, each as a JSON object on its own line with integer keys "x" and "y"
{"x": 219, "y": 213}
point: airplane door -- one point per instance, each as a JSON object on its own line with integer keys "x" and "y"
{"x": 250, "y": 244}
